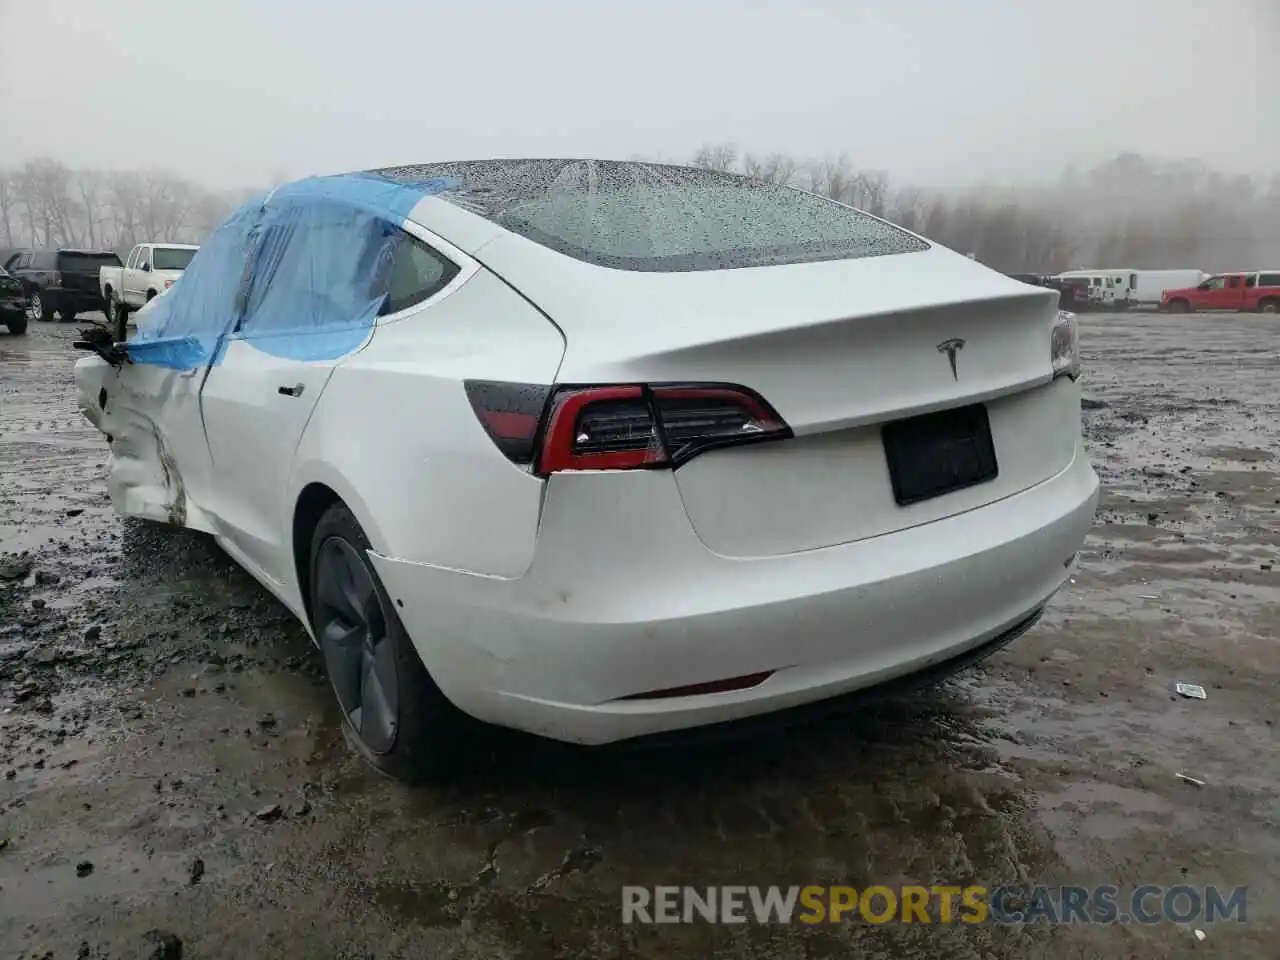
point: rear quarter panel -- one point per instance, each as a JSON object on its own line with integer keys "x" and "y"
{"x": 395, "y": 437}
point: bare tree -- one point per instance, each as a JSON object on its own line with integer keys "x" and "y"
{"x": 775, "y": 168}
{"x": 723, "y": 156}
{"x": 89, "y": 187}
{"x": 8, "y": 203}
{"x": 831, "y": 178}
{"x": 124, "y": 200}
{"x": 44, "y": 187}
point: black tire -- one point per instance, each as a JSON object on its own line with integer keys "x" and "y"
{"x": 151, "y": 295}
{"x": 1269, "y": 306}
{"x": 17, "y": 324}
{"x": 418, "y": 736}
{"x": 117, "y": 313}
{"x": 1179, "y": 306}
{"x": 67, "y": 314}
{"x": 38, "y": 308}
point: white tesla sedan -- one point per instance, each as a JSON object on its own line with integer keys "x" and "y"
{"x": 599, "y": 449}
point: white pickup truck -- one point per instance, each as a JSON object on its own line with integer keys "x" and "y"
{"x": 151, "y": 269}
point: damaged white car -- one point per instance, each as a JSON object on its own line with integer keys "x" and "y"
{"x": 601, "y": 450}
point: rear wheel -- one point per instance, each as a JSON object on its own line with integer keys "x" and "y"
{"x": 67, "y": 314}
{"x": 1269, "y": 306}
{"x": 392, "y": 711}
{"x": 117, "y": 313}
{"x": 1179, "y": 306}
{"x": 37, "y": 308}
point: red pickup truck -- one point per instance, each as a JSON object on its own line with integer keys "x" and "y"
{"x": 1259, "y": 290}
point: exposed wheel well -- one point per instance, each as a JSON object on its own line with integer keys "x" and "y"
{"x": 150, "y": 294}
{"x": 314, "y": 500}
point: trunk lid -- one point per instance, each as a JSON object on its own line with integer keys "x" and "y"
{"x": 839, "y": 349}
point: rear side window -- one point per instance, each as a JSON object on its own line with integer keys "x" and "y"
{"x": 86, "y": 262}
{"x": 417, "y": 272}
{"x": 44, "y": 261}
{"x": 1269, "y": 280}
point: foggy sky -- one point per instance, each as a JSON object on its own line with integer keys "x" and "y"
{"x": 936, "y": 92}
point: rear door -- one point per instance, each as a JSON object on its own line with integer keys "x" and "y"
{"x": 1233, "y": 295}
{"x": 320, "y": 278}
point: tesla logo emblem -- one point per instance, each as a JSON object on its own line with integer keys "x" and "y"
{"x": 951, "y": 348}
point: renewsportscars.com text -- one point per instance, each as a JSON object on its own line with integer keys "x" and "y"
{"x": 1146, "y": 904}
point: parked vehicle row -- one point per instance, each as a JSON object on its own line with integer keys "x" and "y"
{"x": 63, "y": 283}
{"x": 1178, "y": 291}
{"x": 59, "y": 282}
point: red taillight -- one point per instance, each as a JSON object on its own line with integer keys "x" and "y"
{"x": 620, "y": 427}
{"x": 511, "y": 414}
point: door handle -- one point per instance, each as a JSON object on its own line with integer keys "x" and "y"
{"x": 294, "y": 391}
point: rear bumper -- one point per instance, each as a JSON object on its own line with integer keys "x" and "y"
{"x": 622, "y": 598}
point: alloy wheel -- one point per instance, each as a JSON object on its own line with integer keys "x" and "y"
{"x": 35, "y": 307}
{"x": 352, "y": 629}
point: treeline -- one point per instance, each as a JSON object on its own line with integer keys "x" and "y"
{"x": 44, "y": 203}
{"x": 1131, "y": 211}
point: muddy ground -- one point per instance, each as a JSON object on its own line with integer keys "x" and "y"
{"x": 170, "y": 757}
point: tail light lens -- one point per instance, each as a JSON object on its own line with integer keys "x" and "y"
{"x": 620, "y": 427}
{"x": 511, "y": 413}
{"x": 1064, "y": 346}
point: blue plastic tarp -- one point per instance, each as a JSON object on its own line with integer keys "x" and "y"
{"x": 301, "y": 272}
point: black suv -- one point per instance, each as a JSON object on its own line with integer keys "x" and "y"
{"x": 13, "y": 303}
{"x": 65, "y": 281}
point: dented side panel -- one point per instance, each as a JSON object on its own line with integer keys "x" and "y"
{"x": 159, "y": 464}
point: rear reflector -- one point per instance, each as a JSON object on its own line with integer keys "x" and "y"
{"x": 619, "y": 426}
{"x": 698, "y": 689}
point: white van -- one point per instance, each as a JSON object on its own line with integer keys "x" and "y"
{"x": 1110, "y": 287}
{"x": 1153, "y": 283}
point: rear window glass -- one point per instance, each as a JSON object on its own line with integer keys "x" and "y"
{"x": 171, "y": 258}
{"x": 653, "y": 217}
{"x": 86, "y": 262}
{"x": 1269, "y": 280}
